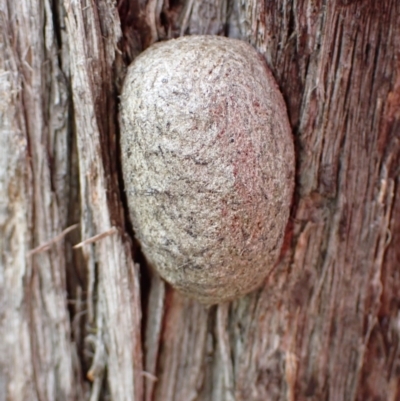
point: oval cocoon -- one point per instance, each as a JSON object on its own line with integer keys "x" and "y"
{"x": 208, "y": 164}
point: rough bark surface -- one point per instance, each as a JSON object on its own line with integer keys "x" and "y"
{"x": 79, "y": 323}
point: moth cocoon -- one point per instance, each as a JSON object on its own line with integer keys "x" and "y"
{"x": 208, "y": 164}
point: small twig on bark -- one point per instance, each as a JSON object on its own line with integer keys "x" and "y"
{"x": 95, "y": 238}
{"x": 149, "y": 376}
{"x": 47, "y": 245}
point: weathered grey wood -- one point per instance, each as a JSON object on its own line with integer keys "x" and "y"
{"x": 326, "y": 324}
{"x": 37, "y": 355}
{"x": 93, "y": 33}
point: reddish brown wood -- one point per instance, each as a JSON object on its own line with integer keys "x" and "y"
{"x": 326, "y": 324}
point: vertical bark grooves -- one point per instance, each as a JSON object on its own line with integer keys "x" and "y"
{"x": 325, "y": 324}
{"x": 38, "y": 354}
{"x": 310, "y": 333}
{"x": 93, "y": 33}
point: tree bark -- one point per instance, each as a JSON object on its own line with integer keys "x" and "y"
{"x": 81, "y": 314}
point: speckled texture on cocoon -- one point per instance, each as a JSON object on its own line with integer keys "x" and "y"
{"x": 208, "y": 164}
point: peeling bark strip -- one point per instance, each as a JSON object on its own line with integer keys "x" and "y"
{"x": 324, "y": 327}
{"x": 93, "y": 32}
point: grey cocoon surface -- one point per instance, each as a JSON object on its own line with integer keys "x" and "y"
{"x": 208, "y": 164}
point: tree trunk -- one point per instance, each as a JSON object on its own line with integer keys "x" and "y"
{"x": 82, "y": 315}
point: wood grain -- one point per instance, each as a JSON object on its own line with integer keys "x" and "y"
{"x": 325, "y": 326}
